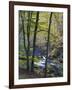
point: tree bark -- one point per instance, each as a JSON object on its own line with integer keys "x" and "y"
{"x": 27, "y": 48}
{"x": 34, "y": 42}
{"x": 28, "y": 38}
{"x": 48, "y": 38}
{"x": 23, "y": 31}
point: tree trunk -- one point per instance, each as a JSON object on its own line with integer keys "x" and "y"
{"x": 23, "y": 31}
{"x": 48, "y": 38}
{"x": 34, "y": 42}
{"x": 24, "y": 37}
{"x": 28, "y": 38}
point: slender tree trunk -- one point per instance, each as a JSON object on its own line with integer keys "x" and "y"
{"x": 28, "y": 38}
{"x": 28, "y": 46}
{"x": 34, "y": 41}
{"x": 48, "y": 38}
{"x": 24, "y": 37}
{"x": 23, "y": 32}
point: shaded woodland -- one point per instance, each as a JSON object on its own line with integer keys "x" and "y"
{"x": 40, "y": 44}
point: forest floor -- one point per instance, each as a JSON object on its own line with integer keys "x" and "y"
{"x": 24, "y": 74}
